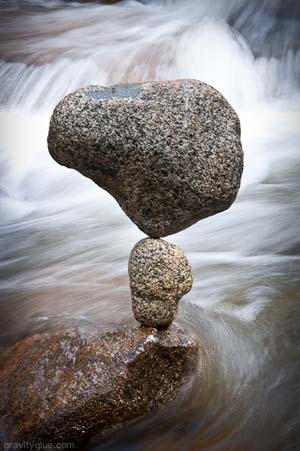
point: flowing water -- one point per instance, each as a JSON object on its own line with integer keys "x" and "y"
{"x": 65, "y": 242}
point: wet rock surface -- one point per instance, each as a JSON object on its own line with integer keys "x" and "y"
{"x": 72, "y": 386}
{"x": 160, "y": 275}
{"x": 168, "y": 151}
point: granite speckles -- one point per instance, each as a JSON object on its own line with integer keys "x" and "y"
{"x": 168, "y": 151}
{"x": 72, "y": 386}
{"x": 160, "y": 275}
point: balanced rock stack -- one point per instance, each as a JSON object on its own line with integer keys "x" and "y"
{"x": 170, "y": 153}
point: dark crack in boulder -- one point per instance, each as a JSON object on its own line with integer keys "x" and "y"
{"x": 73, "y": 386}
{"x": 169, "y": 151}
{"x": 160, "y": 274}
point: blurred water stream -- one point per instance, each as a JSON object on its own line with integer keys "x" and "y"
{"x": 65, "y": 243}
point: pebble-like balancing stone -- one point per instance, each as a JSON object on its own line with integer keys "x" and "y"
{"x": 160, "y": 274}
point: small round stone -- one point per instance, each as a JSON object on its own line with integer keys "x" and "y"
{"x": 160, "y": 274}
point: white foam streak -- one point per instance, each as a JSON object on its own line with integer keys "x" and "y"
{"x": 136, "y": 42}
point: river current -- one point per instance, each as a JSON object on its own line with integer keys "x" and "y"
{"x": 65, "y": 243}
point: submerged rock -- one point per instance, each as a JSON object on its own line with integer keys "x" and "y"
{"x": 71, "y": 387}
{"x": 169, "y": 151}
{"x": 160, "y": 274}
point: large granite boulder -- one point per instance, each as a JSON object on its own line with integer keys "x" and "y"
{"x": 73, "y": 386}
{"x": 169, "y": 151}
{"x": 160, "y": 274}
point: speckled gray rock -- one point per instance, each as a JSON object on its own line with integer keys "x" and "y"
{"x": 169, "y": 151}
{"x": 72, "y": 386}
{"x": 160, "y": 275}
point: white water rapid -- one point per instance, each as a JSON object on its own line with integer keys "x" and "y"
{"x": 65, "y": 242}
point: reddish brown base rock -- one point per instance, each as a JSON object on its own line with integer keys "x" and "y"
{"x": 72, "y": 386}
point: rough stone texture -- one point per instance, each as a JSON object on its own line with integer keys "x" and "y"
{"x": 168, "y": 151}
{"x": 160, "y": 274}
{"x": 72, "y": 386}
